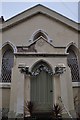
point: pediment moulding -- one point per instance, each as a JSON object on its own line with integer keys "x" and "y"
{"x": 31, "y": 48}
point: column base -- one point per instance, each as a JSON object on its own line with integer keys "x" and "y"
{"x": 11, "y": 115}
{"x": 14, "y": 115}
{"x": 19, "y": 115}
{"x": 72, "y": 114}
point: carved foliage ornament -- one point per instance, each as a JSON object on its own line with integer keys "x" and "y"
{"x": 42, "y": 68}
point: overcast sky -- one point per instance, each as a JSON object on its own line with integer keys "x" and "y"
{"x": 68, "y": 8}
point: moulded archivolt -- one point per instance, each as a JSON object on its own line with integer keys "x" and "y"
{"x": 37, "y": 32}
{"x": 11, "y": 45}
{"x": 71, "y": 44}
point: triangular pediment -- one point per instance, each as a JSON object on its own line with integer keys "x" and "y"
{"x": 43, "y": 45}
{"x": 39, "y": 9}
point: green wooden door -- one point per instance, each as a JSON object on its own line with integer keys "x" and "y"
{"x": 42, "y": 90}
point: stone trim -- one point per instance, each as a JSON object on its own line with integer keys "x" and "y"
{"x": 5, "y": 85}
{"x": 11, "y": 45}
{"x": 40, "y": 54}
{"x": 75, "y": 84}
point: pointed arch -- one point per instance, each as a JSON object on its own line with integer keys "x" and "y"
{"x": 71, "y": 44}
{"x": 10, "y": 45}
{"x": 39, "y": 33}
{"x": 73, "y": 62}
{"x": 41, "y": 61}
{"x": 8, "y": 50}
{"x": 42, "y": 86}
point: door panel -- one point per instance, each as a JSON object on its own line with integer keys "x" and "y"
{"x": 42, "y": 91}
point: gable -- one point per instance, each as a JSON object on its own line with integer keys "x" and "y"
{"x": 21, "y": 33}
{"x": 19, "y": 29}
{"x": 39, "y": 9}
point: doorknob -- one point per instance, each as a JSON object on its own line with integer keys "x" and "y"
{"x": 51, "y": 91}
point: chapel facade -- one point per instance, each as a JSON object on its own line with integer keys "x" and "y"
{"x": 40, "y": 62}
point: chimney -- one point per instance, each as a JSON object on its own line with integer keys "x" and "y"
{"x": 1, "y": 19}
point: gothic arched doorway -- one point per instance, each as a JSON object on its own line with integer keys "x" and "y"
{"x": 42, "y": 87}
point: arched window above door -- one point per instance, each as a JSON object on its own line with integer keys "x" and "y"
{"x": 40, "y": 33}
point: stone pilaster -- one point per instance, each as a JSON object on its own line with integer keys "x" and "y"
{"x": 20, "y": 94}
{"x": 64, "y": 90}
{"x": 27, "y": 88}
{"x": 56, "y": 87}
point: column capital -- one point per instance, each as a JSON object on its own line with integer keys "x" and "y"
{"x": 59, "y": 69}
{"x": 24, "y": 69}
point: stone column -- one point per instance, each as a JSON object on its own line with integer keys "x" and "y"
{"x": 70, "y": 89}
{"x": 70, "y": 93}
{"x": 27, "y": 88}
{"x": 64, "y": 90}
{"x": 56, "y": 87}
{"x": 26, "y": 93}
{"x": 20, "y": 94}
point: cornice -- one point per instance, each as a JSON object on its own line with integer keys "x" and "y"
{"x": 31, "y": 54}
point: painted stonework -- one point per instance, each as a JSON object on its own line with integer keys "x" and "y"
{"x": 39, "y": 37}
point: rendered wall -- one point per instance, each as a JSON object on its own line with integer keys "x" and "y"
{"x": 60, "y": 34}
